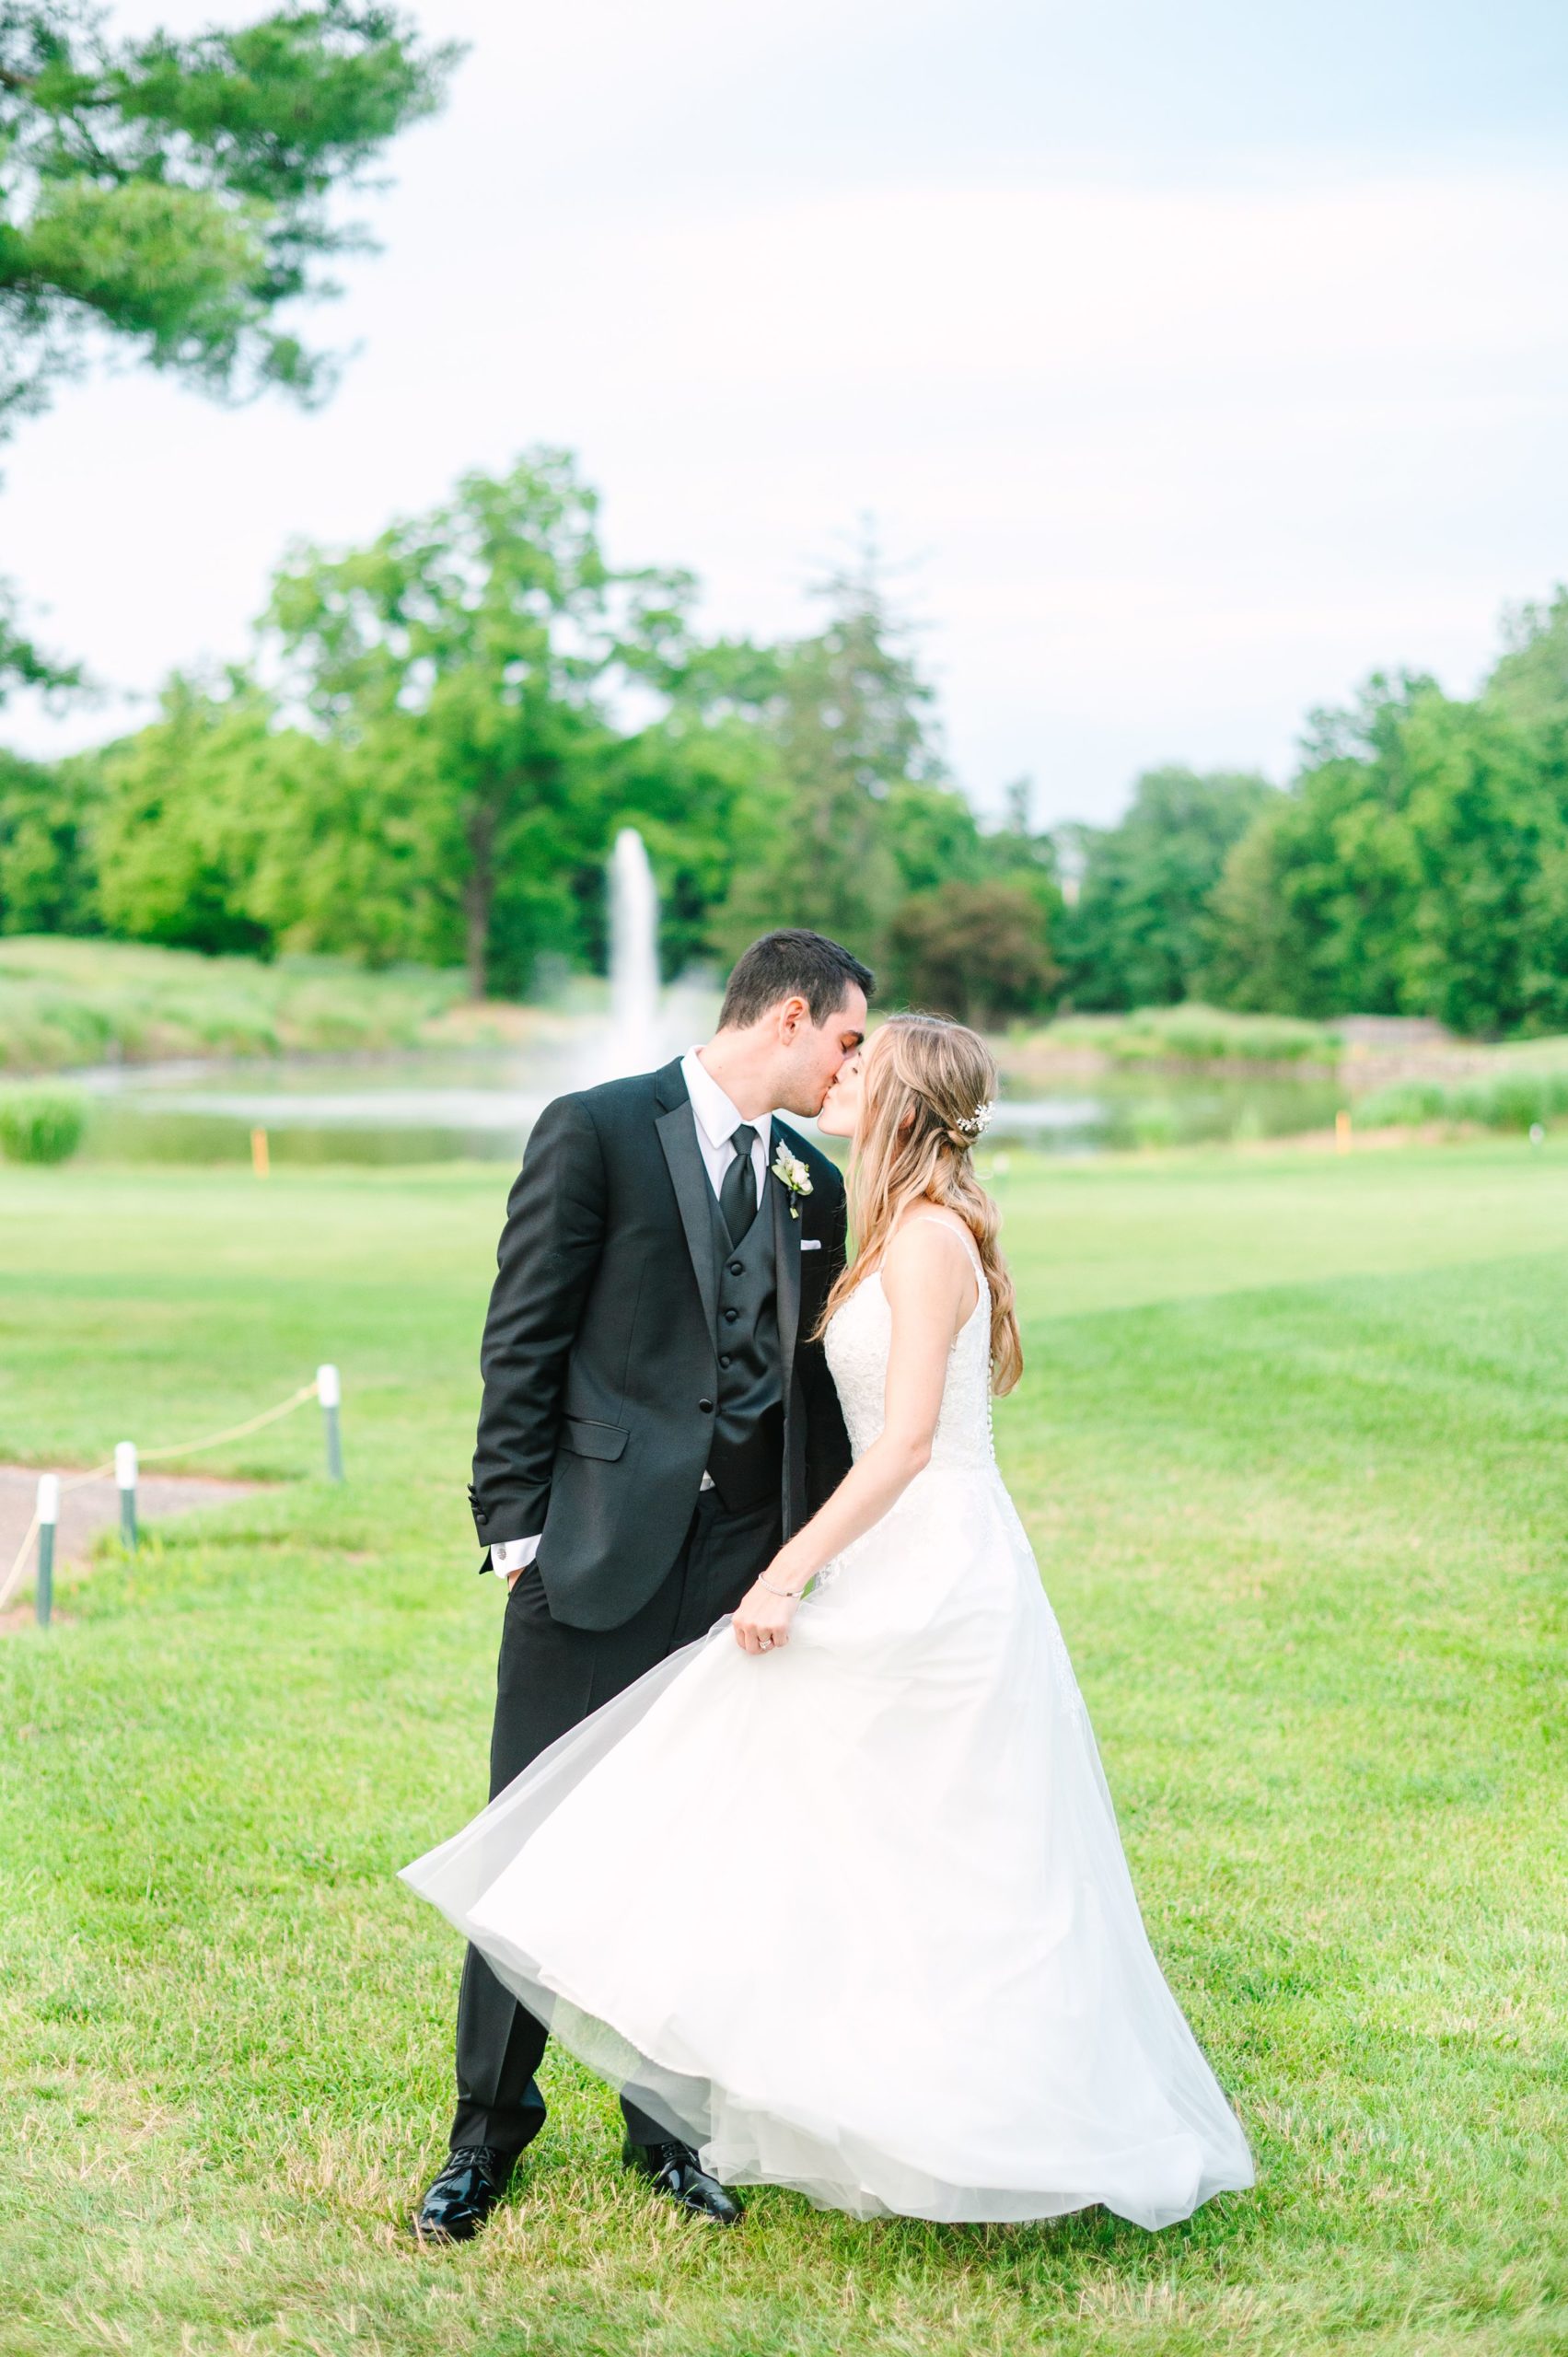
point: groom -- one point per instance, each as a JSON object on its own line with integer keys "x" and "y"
{"x": 656, "y": 1421}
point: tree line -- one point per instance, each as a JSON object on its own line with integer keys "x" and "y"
{"x": 1417, "y": 864}
{"x": 440, "y": 734}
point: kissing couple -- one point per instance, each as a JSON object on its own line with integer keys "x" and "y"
{"x": 797, "y": 1834}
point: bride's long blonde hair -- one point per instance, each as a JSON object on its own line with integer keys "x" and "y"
{"x": 921, "y": 1079}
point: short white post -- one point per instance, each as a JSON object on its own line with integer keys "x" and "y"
{"x": 330, "y": 1392}
{"x": 48, "y": 1517}
{"x": 126, "y": 1480}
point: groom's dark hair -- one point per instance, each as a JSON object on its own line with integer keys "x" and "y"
{"x": 790, "y": 961}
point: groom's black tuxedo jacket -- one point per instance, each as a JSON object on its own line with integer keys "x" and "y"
{"x": 601, "y": 1357}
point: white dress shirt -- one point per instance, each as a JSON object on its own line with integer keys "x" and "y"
{"x": 716, "y": 1121}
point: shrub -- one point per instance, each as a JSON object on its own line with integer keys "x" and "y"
{"x": 35, "y": 1126}
{"x": 1516, "y": 1099}
{"x": 977, "y": 951}
{"x": 1195, "y": 1034}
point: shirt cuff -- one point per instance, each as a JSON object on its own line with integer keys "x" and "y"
{"x": 512, "y": 1554}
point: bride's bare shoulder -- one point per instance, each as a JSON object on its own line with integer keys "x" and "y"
{"x": 918, "y": 1223}
{"x": 920, "y": 1257}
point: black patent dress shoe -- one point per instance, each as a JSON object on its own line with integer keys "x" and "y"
{"x": 673, "y": 2169}
{"x": 463, "y": 2196}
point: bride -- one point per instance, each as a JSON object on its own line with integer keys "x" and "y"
{"x": 903, "y": 1970}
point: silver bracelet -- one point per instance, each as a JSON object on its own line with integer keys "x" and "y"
{"x": 793, "y": 1593}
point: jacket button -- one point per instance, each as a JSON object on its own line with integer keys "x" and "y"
{"x": 731, "y": 1314}
{"x": 723, "y": 1359}
{"x": 737, "y": 1268}
{"x": 706, "y": 1406}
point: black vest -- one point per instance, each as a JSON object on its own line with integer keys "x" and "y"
{"x": 746, "y": 1459}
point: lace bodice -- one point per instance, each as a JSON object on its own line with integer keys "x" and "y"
{"x": 857, "y": 1341}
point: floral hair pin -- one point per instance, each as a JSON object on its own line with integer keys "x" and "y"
{"x": 975, "y": 1124}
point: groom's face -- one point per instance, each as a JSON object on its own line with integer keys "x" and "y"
{"x": 811, "y": 1053}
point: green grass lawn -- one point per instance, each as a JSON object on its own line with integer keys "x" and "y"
{"x": 1294, "y": 1451}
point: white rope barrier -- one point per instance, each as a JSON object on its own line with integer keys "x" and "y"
{"x": 175, "y": 1448}
{"x": 15, "y": 1574}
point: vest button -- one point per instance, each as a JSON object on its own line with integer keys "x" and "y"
{"x": 706, "y": 1406}
{"x": 723, "y": 1359}
{"x": 731, "y": 1314}
{"x": 737, "y": 1268}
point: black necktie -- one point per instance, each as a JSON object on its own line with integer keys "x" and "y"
{"x": 737, "y": 1188}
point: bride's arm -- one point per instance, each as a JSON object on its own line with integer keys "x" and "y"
{"x": 930, "y": 1290}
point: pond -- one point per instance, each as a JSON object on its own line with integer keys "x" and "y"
{"x": 479, "y": 1105}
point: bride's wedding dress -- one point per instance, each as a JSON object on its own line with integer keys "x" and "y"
{"x": 902, "y": 1969}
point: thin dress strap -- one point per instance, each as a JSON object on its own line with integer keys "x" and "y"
{"x": 960, "y": 1235}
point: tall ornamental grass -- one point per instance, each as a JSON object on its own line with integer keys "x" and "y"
{"x": 1505, "y": 1100}
{"x": 67, "y": 1003}
{"x": 1199, "y": 1035}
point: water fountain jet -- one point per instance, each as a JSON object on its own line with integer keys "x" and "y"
{"x": 633, "y": 1044}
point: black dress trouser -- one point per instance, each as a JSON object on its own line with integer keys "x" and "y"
{"x": 549, "y": 1678}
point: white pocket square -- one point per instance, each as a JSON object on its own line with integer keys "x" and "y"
{"x": 811, "y": 1244}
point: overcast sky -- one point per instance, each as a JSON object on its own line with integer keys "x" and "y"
{"x": 1200, "y": 357}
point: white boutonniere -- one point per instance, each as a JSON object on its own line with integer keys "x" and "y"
{"x": 792, "y": 1174}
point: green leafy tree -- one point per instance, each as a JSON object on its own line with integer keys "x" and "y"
{"x": 1312, "y": 915}
{"x": 462, "y": 667}
{"x": 1529, "y": 681}
{"x": 933, "y": 834}
{"x": 1018, "y": 852}
{"x": 858, "y": 776}
{"x": 174, "y": 195}
{"x": 702, "y": 782}
{"x": 701, "y": 793}
{"x": 24, "y": 664}
{"x": 1139, "y": 933}
{"x": 193, "y": 838}
{"x": 48, "y": 852}
{"x": 1260, "y": 954}
{"x": 1487, "y": 814}
{"x": 1419, "y": 867}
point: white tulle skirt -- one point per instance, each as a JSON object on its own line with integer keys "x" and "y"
{"x": 853, "y": 1917}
